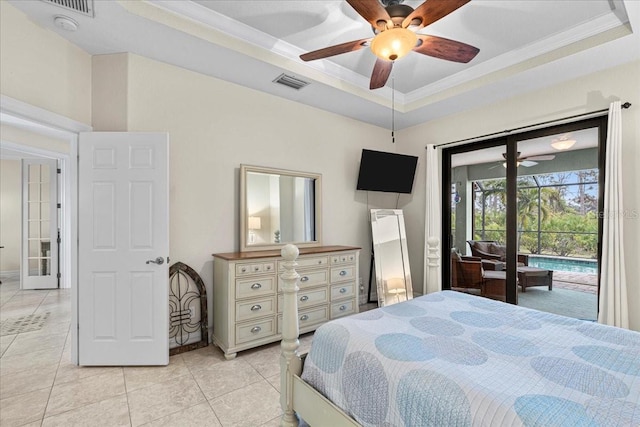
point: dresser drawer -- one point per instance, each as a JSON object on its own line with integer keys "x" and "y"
{"x": 250, "y": 331}
{"x": 341, "y": 274}
{"x": 310, "y": 262}
{"x": 343, "y": 290}
{"x": 252, "y": 309}
{"x": 245, "y": 269}
{"x": 310, "y": 278}
{"x": 255, "y": 287}
{"x": 309, "y": 317}
{"x": 343, "y": 308}
{"x": 343, "y": 258}
{"x": 307, "y": 298}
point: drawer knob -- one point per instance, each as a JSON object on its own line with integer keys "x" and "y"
{"x": 343, "y": 273}
{"x": 343, "y": 290}
{"x": 256, "y": 268}
{"x": 243, "y": 269}
{"x": 304, "y": 317}
{"x": 256, "y": 307}
{"x": 304, "y": 279}
{"x": 256, "y": 329}
{"x": 304, "y": 298}
{"x": 256, "y": 286}
{"x": 268, "y": 267}
{"x": 343, "y": 307}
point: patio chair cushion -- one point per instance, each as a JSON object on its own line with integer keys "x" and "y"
{"x": 483, "y": 246}
{"x": 498, "y": 250}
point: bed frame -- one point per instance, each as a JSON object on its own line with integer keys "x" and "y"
{"x": 298, "y": 398}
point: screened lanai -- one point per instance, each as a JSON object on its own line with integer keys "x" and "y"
{"x": 557, "y": 213}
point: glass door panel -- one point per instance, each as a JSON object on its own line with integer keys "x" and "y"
{"x": 40, "y": 225}
{"x": 557, "y": 210}
{"x": 478, "y": 222}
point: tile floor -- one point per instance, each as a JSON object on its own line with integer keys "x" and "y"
{"x": 40, "y": 387}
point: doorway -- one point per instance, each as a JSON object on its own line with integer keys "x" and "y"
{"x": 525, "y": 206}
{"x": 27, "y": 118}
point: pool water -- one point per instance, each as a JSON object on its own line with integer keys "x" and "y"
{"x": 564, "y": 264}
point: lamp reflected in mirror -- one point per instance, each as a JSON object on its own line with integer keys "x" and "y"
{"x": 254, "y": 224}
{"x": 396, "y": 288}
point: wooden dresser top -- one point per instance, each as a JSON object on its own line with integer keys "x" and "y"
{"x": 239, "y": 256}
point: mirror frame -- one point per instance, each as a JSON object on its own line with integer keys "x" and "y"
{"x": 244, "y": 216}
{"x": 382, "y": 291}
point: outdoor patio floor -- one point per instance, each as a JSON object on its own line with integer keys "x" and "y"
{"x": 582, "y": 282}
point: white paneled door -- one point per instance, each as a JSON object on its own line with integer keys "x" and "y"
{"x": 39, "y": 224}
{"x": 123, "y": 308}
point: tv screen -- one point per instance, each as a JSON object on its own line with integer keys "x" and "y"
{"x": 389, "y": 172}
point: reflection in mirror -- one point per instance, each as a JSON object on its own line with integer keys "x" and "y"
{"x": 279, "y": 207}
{"x": 393, "y": 276}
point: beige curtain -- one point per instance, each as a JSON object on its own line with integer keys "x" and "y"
{"x": 613, "y": 307}
{"x": 433, "y": 226}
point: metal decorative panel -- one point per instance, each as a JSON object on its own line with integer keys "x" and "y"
{"x": 188, "y": 317}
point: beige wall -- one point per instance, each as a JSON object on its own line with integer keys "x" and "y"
{"x": 41, "y": 68}
{"x": 215, "y": 126}
{"x": 585, "y": 94}
{"x": 10, "y": 222}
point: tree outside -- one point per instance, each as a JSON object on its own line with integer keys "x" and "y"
{"x": 557, "y": 213}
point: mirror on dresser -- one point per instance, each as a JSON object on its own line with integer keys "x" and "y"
{"x": 279, "y": 206}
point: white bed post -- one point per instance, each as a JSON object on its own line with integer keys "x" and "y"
{"x": 432, "y": 282}
{"x": 290, "y": 363}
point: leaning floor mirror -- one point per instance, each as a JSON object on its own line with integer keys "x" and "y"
{"x": 391, "y": 258}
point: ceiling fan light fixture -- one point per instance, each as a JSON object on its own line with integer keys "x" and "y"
{"x": 394, "y": 43}
{"x": 504, "y": 165}
{"x": 562, "y": 144}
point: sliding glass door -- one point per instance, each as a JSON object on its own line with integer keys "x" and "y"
{"x": 520, "y": 214}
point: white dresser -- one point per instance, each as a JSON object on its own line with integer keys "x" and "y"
{"x": 247, "y": 296}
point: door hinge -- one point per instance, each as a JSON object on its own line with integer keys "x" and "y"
{"x": 59, "y": 275}
{"x": 59, "y": 205}
{"x": 59, "y": 170}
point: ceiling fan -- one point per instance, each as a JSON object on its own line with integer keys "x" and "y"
{"x": 528, "y": 161}
{"x": 395, "y": 26}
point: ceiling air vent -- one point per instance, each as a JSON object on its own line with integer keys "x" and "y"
{"x": 290, "y": 81}
{"x": 85, "y": 7}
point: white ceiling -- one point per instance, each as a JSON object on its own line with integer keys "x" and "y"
{"x": 524, "y": 45}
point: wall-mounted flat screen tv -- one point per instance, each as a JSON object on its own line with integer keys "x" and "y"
{"x": 389, "y": 172}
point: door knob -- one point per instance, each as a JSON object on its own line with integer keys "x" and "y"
{"x": 158, "y": 261}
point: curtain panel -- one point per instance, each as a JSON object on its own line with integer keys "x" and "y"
{"x": 613, "y": 306}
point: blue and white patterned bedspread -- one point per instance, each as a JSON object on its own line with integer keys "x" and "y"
{"x": 451, "y": 359}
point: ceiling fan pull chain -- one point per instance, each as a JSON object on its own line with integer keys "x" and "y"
{"x": 393, "y": 110}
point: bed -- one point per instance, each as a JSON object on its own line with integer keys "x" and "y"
{"x": 453, "y": 359}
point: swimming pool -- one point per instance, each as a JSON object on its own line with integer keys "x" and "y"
{"x": 564, "y": 264}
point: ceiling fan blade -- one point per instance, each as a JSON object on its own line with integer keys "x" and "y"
{"x": 540, "y": 158}
{"x": 527, "y": 163}
{"x": 430, "y": 11}
{"x": 372, "y": 11}
{"x": 380, "y": 73}
{"x": 442, "y": 48}
{"x": 335, "y": 50}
